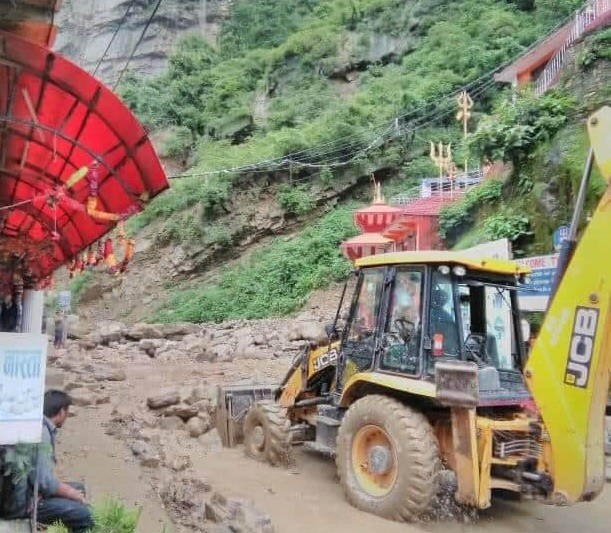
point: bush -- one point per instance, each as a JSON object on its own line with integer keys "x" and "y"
{"x": 111, "y": 516}
{"x": 178, "y": 144}
{"x": 598, "y": 47}
{"x": 506, "y": 225}
{"x": 273, "y": 281}
{"x": 296, "y": 200}
{"x": 513, "y": 132}
{"x": 457, "y": 217}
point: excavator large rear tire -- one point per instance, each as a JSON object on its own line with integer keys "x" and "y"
{"x": 267, "y": 436}
{"x": 388, "y": 459}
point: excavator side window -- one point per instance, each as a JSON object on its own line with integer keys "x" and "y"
{"x": 443, "y": 319}
{"x": 359, "y": 337}
{"x": 403, "y": 332}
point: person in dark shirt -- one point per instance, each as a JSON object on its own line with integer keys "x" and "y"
{"x": 59, "y": 501}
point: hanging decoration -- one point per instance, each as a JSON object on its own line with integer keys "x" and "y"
{"x": 104, "y": 255}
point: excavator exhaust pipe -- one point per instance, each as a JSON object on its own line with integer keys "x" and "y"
{"x": 234, "y": 401}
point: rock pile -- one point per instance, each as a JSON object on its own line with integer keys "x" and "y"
{"x": 193, "y": 504}
{"x": 192, "y": 409}
{"x": 254, "y": 339}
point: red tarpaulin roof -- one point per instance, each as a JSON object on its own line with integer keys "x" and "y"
{"x": 55, "y": 118}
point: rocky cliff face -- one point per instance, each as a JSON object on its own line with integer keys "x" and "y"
{"x": 86, "y": 27}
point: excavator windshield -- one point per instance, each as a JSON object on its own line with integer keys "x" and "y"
{"x": 467, "y": 306}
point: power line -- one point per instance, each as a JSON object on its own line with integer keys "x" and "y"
{"x": 131, "y": 56}
{"x": 391, "y": 132}
{"x": 114, "y": 35}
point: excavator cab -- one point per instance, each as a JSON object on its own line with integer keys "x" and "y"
{"x": 430, "y": 308}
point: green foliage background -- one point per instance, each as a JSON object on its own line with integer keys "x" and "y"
{"x": 270, "y": 88}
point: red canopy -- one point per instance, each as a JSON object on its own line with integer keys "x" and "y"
{"x": 55, "y": 119}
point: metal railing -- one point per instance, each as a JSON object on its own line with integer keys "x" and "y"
{"x": 584, "y": 17}
{"x": 449, "y": 188}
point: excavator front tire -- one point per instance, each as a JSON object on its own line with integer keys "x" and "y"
{"x": 267, "y": 436}
{"x": 388, "y": 459}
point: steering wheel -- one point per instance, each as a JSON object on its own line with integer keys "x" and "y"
{"x": 405, "y": 328}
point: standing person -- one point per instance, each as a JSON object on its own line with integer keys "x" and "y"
{"x": 60, "y": 324}
{"x": 59, "y": 501}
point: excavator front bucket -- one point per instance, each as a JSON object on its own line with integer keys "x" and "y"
{"x": 234, "y": 401}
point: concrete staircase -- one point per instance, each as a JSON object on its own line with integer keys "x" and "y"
{"x": 585, "y": 18}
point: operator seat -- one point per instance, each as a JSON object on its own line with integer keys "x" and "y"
{"x": 442, "y": 322}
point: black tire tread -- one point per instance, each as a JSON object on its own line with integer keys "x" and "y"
{"x": 419, "y": 447}
{"x": 276, "y": 425}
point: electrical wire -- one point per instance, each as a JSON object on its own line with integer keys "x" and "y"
{"x": 131, "y": 56}
{"x": 395, "y": 132}
{"x": 114, "y": 35}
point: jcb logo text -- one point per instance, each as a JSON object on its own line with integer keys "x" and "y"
{"x": 325, "y": 359}
{"x": 581, "y": 348}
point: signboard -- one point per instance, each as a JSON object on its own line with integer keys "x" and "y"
{"x": 559, "y": 236}
{"x": 534, "y": 295}
{"x": 23, "y": 358}
{"x": 500, "y": 249}
{"x": 64, "y": 300}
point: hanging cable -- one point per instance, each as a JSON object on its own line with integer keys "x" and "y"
{"x": 114, "y": 35}
{"x": 131, "y": 56}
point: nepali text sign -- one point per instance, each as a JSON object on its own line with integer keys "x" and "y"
{"x": 534, "y": 295}
{"x": 23, "y": 358}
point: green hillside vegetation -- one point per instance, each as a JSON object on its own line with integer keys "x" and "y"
{"x": 545, "y": 141}
{"x": 317, "y": 79}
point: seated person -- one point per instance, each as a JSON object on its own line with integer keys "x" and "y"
{"x": 59, "y": 501}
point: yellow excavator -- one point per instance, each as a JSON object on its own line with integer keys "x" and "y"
{"x": 431, "y": 373}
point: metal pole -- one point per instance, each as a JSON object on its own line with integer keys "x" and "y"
{"x": 568, "y": 246}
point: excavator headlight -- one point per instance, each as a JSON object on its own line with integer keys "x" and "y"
{"x": 459, "y": 271}
{"x": 444, "y": 269}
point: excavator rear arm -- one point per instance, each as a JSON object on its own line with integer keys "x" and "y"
{"x": 569, "y": 366}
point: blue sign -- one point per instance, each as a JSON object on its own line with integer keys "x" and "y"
{"x": 560, "y": 235}
{"x": 539, "y": 283}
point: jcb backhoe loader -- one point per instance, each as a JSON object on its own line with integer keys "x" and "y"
{"x": 431, "y": 371}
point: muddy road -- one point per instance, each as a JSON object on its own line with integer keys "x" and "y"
{"x": 303, "y": 499}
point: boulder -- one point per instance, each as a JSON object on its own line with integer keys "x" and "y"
{"x": 181, "y": 410}
{"x": 82, "y": 397}
{"x": 196, "y": 427}
{"x": 171, "y": 423}
{"x": 238, "y": 514}
{"x": 163, "y": 399}
{"x": 109, "y": 374}
{"x": 102, "y": 398}
{"x": 195, "y": 346}
{"x": 87, "y": 343}
{"x": 178, "y": 330}
{"x": 223, "y": 351}
{"x": 111, "y": 331}
{"x": 146, "y": 452}
{"x": 179, "y": 463}
{"x": 141, "y": 331}
{"x": 307, "y": 331}
{"x": 150, "y": 346}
